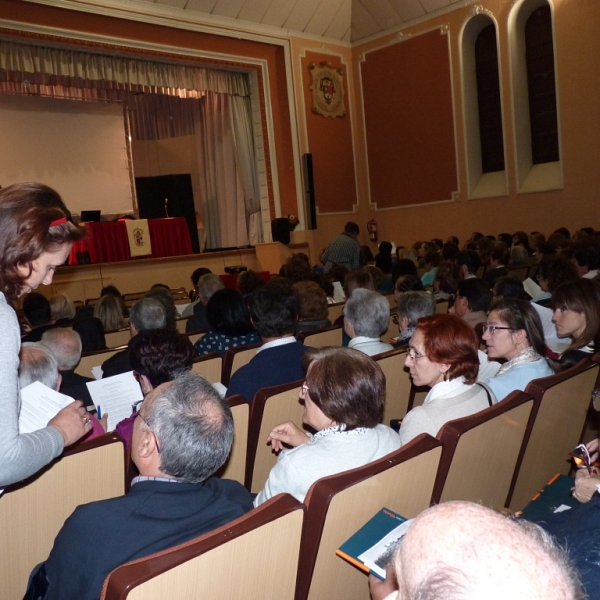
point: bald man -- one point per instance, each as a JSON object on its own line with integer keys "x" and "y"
{"x": 460, "y": 550}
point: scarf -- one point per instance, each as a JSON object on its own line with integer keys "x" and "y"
{"x": 528, "y": 355}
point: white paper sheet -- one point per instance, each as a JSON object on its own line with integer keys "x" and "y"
{"x": 379, "y": 555}
{"x": 97, "y": 372}
{"x": 532, "y": 288}
{"x": 39, "y": 404}
{"x": 115, "y": 395}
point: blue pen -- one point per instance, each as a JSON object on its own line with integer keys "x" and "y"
{"x": 99, "y": 411}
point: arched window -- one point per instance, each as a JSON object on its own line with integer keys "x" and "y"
{"x": 482, "y": 108}
{"x": 535, "y": 100}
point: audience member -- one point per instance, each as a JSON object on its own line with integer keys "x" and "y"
{"x": 508, "y": 287}
{"x": 65, "y": 344}
{"x": 344, "y": 250}
{"x": 274, "y": 313}
{"x": 230, "y": 324}
{"x": 519, "y": 256}
{"x": 361, "y": 278}
{"x": 208, "y": 284}
{"x": 461, "y": 550}
{"x": 157, "y": 356}
{"x": 343, "y": 396}
{"x": 552, "y": 272}
{"x": 312, "y": 306}
{"x": 586, "y": 259}
{"x": 450, "y": 251}
{"x": 146, "y": 314}
{"x": 379, "y": 280}
{"x": 163, "y": 294}
{"x": 297, "y": 268}
{"x": 36, "y": 310}
{"x": 62, "y": 309}
{"x": 407, "y": 283}
{"x": 430, "y": 261}
{"x": 446, "y": 280}
{"x": 183, "y": 435}
{"x": 576, "y": 307}
{"x": 442, "y": 355}
{"x": 514, "y": 332}
{"x": 403, "y": 253}
{"x": 366, "y": 318}
{"x": 499, "y": 257}
{"x": 473, "y": 298}
{"x": 109, "y": 309}
{"x": 469, "y": 262}
{"x": 411, "y": 307}
{"x": 383, "y": 259}
{"x": 366, "y": 256}
{"x": 188, "y": 311}
{"x": 91, "y": 332}
{"x": 247, "y": 282}
{"x": 403, "y": 266}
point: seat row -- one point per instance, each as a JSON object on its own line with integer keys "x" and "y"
{"x": 501, "y": 457}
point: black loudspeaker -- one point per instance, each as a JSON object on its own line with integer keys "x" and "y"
{"x": 280, "y": 230}
{"x": 310, "y": 209}
{"x": 168, "y": 196}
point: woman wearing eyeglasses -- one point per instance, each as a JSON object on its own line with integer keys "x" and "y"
{"x": 442, "y": 355}
{"x": 343, "y": 398}
{"x": 514, "y": 332}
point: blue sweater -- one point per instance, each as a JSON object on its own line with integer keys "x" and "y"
{"x": 518, "y": 377}
{"x": 273, "y": 366}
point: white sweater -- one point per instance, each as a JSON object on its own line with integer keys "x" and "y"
{"x": 297, "y": 469}
{"x": 20, "y": 455}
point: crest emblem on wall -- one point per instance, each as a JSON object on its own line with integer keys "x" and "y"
{"x": 327, "y": 89}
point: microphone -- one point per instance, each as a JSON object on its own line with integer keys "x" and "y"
{"x": 167, "y": 207}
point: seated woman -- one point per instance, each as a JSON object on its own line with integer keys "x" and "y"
{"x": 411, "y": 307}
{"x": 446, "y": 280}
{"x": 576, "y": 307}
{"x": 63, "y": 310}
{"x": 366, "y": 318}
{"x": 312, "y": 306}
{"x": 514, "y": 332}
{"x": 343, "y": 398}
{"x": 109, "y": 309}
{"x": 383, "y": 259}
{"x": 443, "y": 355}
{"x": 230, "y": 324}
{"x": 157, "y": 356}
{"x": 553, "y": 272}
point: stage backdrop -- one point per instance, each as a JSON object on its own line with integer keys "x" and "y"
{"x": 76, "y": 147}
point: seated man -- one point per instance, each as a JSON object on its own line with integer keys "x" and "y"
{"x": 38, "y": 313}
{"x": 207, "y": 285}
{"x": 366, "y": 318}
{"x": 195, "y": 277}
{"x": 463, "y": 550}
{"x": 38, "y": 363}
{"x": 182, "y": 436}
{"x": 146, "y": 314}
{"x": 65, "y": 344}
{"x": 468, "y": 262}
{"x": 274, "y": 312}
{"x": 473, "y": 299}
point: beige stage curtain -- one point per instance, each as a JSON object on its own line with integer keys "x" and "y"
{"x": 75, "y": 68}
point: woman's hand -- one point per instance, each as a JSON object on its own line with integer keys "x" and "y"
{"x": 72, "y": 422}
{"x": 287, "y": 433}
{"x": 585, "y": 485}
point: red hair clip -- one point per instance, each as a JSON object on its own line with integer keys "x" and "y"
{"x": 58, "y": 221}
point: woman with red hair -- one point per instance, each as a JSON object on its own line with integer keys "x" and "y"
{"x": 442, "y": 355}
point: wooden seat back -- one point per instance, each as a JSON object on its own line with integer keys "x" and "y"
{"x": 117, "y": 338}
{"x": 270, "y": 407}
{"x": 555, "y": 427}
{"x": 209, "y": 366}
{"x": 235, "y": 467}
{"x": 397, "y": 384}
{"x": 338, "y": 505}
{"x": 236, "y": 358}
{"x": 95, "y": 359}
{"x": 33, "y": 512}
{"x": 255, "y": 556}
{"x": 328, "y": 336}
{"x": 480, "y": 452}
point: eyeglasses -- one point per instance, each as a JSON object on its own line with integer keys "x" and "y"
{"x": 413, "y": 354}
{"x": 493, "y": 328}
{"x": 136, "y": 410}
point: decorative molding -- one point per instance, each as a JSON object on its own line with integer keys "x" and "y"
{"x": 455, "y": 196}
{"x": 341, "y": 212}
{"x": 373, "y": 205}
{"x": 327, "y": 90}
{"x": 401, "y": 36}
{"x": 479, "y": 10}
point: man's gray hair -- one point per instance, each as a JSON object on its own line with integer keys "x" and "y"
{"x": 194, "y": 427}
{"x": 65, "y": 344}
{"x": 414, "y": 305}
{"x": 148, "y": 313}
{"x": 369, "y": 313}
{"x": 37, "y": 363}
{"x": 207, "y": 285}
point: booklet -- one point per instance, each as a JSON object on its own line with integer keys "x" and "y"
{"x": 39, "y": 404}
{"x": 372, "y": 547}
{"x": 115, "y": 396}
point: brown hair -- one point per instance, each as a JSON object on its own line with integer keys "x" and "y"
{"x": 312, "y": 301}
{"x": 27, "y": 211}
{"x": 448, "y": 339}
{"x": 347, "y": 385}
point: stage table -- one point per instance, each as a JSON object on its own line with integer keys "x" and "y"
{"x": 108, "y": 241}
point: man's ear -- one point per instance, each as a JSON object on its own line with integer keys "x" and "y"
{"x": 147, "y": 444}
{"x": 58, "y": 382}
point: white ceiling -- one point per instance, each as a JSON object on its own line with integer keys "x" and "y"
{"x": 347, "y": 21}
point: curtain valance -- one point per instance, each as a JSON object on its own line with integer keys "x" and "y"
{"x": 77, "y": 69}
